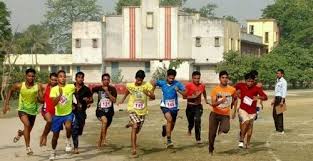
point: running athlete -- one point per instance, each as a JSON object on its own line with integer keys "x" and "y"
{"x": 29, "y": 98}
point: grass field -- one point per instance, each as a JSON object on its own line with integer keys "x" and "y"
{"x": 295, "y": 145}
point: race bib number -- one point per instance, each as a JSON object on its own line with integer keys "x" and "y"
{"x": 105, "y": 103}
{"x": 139, "y": 105}
{"x": 170, "y": 103}
{"x": 63, "y": 100}
{"x": 247, "y": 100}
{"x": 226, "y": 104}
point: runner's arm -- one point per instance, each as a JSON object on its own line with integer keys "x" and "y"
{"x": 55, "y": 100}
{"x": 150, "y": 94}
{"x": 262, "y": 96}
{"x": 205, "y": 97}
{"x": 14, "y": 88}
{"x": 41, "y": 90}
{"x": 113, "y": 96}
{"x": 124, "y": 97}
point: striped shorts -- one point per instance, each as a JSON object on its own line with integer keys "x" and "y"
{"x": 137, "y": 119}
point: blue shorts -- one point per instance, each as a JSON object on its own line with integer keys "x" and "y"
{"x": 59, "y": 121}
{"x": 173, "y": 112}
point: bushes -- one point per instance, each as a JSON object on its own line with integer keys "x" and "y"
{"x": 296, "y": 61}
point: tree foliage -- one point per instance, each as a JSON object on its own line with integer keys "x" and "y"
{"x": 120, "y": 3}
{"x": 5, "y": 26}
{"x": 294, "y": 18}
{"x": 35, "y": 39}
{"x": 60, "y": 16}
{"x": 231, "y": 18}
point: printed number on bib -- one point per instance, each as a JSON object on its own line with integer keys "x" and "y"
{"x": 63, "y": 100}
{"x": 226, "y": 104}
{"x": 247, "y": 100}
{"x": 105, "y": 103}
{"x": 170, "y": 103}
{"x": 139, "y": 105}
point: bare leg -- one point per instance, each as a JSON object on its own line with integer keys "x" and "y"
{"x": 43, "y": 138}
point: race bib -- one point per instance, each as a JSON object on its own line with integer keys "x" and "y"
{"x": 139, "y": 105}
{"x": 226, "y": 104}
{"x": 247, "y": 100}
{"x": 63, "y": 100}
{"x": 105, "y": 103}
{"x": 170, "y": 103}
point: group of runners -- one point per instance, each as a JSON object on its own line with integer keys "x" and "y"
{"x": 64, "y": 106}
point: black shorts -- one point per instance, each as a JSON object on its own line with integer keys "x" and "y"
{"x": 173, "y": 112}
{"x": 31, "y": 118}
{"x": 78, "y": 123}
{"x": 108, "y": 114}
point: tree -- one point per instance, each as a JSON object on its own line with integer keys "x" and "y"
{"x": 208, "y": 10}
{"x": 230, "y": 18}
{"x": 5, "y": 26}
{"x": 172, "y": 2}
{"x": 11, "y": 51}
{"x": 121, "y": 3}
{"x": 35, "y": 40}
{"x": 60, "y": 16}
{"x": 295, "y": 19}
{"x": 237, "y": 65}
{"x": 160, "y": 72}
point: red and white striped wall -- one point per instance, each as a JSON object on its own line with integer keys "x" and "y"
{"x": 131, "y": 32}
{"x": 168, "y": 32}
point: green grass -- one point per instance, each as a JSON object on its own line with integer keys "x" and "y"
{"x": 296, "y": 144}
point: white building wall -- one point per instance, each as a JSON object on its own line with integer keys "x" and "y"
{"x": 115, "y": 47}
{"x": 174, "y": 33}
{"x": 207, "y": 31}
{"x": 150, "y": 37}
{"x": 92, "y": 73}
{"x": 86, "y": 31}
{"x": 185, "y": 40}
{"x": 125, "y": 32}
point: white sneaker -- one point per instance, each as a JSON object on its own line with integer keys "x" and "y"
{"x": 52, "y": 156}
{"x": 68, "y": 148}
{"x": 283, "y": 132}
{"x": 240, "y": 145}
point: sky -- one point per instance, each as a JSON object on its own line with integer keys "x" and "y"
{"x": 27, "y": 12}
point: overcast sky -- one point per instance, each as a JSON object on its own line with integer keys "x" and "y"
{"x": 27, "y": 12}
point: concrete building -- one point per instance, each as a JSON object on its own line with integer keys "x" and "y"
{"x": 252, "y": 45}
{"x": 267, "y": 29}
{"x": 149, "y": 36}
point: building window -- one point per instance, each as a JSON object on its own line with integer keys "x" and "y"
{"x": 95, "y": 43}
{"x": 198, "y": 41}
{"x": 238, "y": 45}
{"x": 197, "y": 68}
{"x": 78, "y": 68}
{"x": 266, "y": 37}
{"x": 66, "y": 69}
{"x": 44, "y": 69}
{"x": 77, "y": 43}
{"x": 115, "y": 67}
{"x": 251, "y": 29}
{"x": 147, "y": 67}
{"x": 54, "y": 69}
{"x": 231, "y": 44}
{"x": 217, "y": 42}
{"x": 149, "y": 20}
